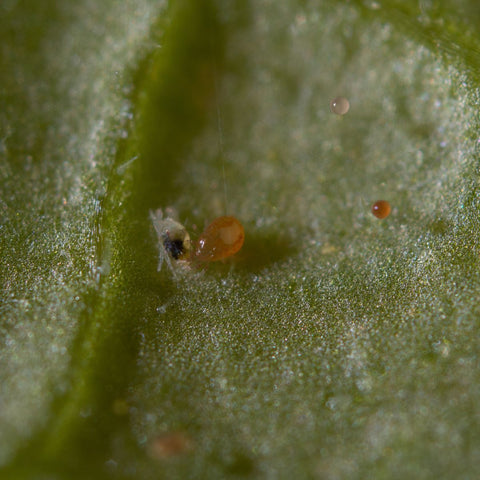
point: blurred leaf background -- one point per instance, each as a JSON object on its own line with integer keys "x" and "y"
{"x": 335, "y": 345}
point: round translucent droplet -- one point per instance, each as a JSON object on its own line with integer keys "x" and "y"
{"x": 381, "y": 209}
{"x": 339, "y": 105}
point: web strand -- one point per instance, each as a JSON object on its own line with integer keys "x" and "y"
{"x": 220, "y": 132}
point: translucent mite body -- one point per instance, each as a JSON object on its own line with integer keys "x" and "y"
{"x": 221, "y": 239}
{"x": 174, "y": 240}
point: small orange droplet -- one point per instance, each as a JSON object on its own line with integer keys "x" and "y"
{"x": 221, "y": 239}
{"x": 381, "y": 209}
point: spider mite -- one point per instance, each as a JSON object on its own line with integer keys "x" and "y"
{"x": 221, "y": 239}
{"x": 173, "y": 239}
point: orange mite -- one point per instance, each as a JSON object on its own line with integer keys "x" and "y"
{"x": 381, "y": 209}
{"x": 221, "y": 239}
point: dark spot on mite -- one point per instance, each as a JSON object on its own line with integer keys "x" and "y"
{"x": 174, "y": 248}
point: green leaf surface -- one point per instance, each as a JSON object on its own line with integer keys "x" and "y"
{"x": 335, "y": 344}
